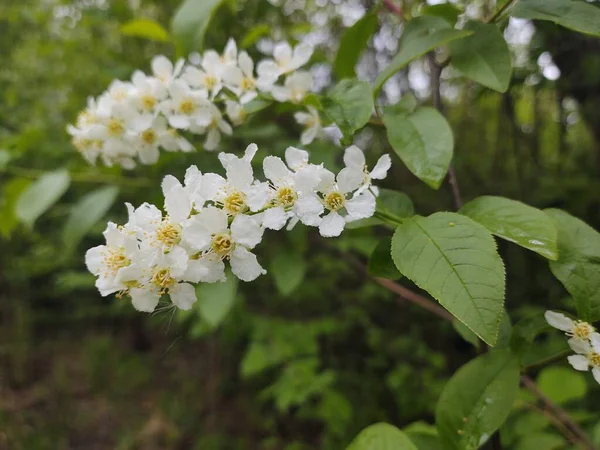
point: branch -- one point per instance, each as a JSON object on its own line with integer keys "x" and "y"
{"x": 497, "y": 14}
{"x": 558, "y": 412}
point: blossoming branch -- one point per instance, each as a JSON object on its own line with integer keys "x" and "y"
{"x": 133, "y": 120}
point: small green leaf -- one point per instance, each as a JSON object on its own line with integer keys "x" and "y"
{"x": 421, "y": 35}
{"x": 477, "y": 400}
{"x": 394, "y": 202}
{"x": 349, "y": 105}
{"x": 562, "y": 384}
{"x": 5, "y": 157}
{"x": 483, "y": 57}
{"x": 254, "y": 34}
{"x": 455, "y": 260}
{"x": 190, "y": 22}
{"x": 145, "y": 28}
{"x": 353, "y": 43}
{"x": 424, "y": 436}
{"x": 575, "y": 15}
{"x": 446, "y": 11}
{"x": 381, "y": 436}
{"x": 86, "y": 213}
{"x": 578, "y": 267}
{"x": 11, "y": 191}
{"x": 215, "y": 300}
{"x": 41, "y": 195}
{"x": 525, "y": 331}
{"x": 423, "y": 140}
{"x": 516, "y": 222}
{"x": 288, "y": 269}
{"x": 380, "y": 262}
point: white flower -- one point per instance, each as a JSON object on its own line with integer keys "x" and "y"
{"x": 312, "y": 125}
{"x": 107, "y": 261}
{"x": 588, "y": 355}
{"x": 354, "y": 159}
{"x": 185, "y": 107}
{"x": 575, "y": 329}
{"x": 295, "y": 88}
{"x": 210, "y": 121}
{"x": 240, "y": 79}
{"x": 285, "y": 60}
{"x": 209, "y": 76}
{"x": 148, "y": 93}
{"x": 236, "y": 112}
{"x": 164, "y": 71}
{"x": 208, "y": 233}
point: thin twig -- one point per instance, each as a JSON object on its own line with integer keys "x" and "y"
{"x": 546, "y": 361}
{"x": 558, "y": 412}
{"x": 389, "y": 4}
{"x": 500, "y": 11}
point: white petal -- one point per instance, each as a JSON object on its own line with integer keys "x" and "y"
{"x": 596, "y": 373}
{"x": 214, "y": 269}
{"x": 161, "y": 66}
{"x": 245, "y": 230}
{"x": 381, "y": 168}
{"x": 268, "y": 69}
{"x": 579, "y": 362}
{"x": 94, "y": 258}
{"x": 281, "y": 94}
{"x": 239, "y": 174}
{"x": 558, "y": 320}
{"x": 307, "y": 178}
{"x": 199, "y": 229}
{"x": 276, "y": 170}
{"x": 296, "y": 158}
{"x": 595, "y": 341}
{"x": 308, "y": 208}
{"x": 177, "y": 204}
{"x": 302, "y": 54}
{"x": 309, "y": 135}
{"x": 179, "y": 121}
{"x": 257, "y": 196}
{"x": 350, "y": 179}
{"x": 149, "y": 155}
{"x": 332, "y": 225}
{"x": 213, "y": 139}
{"x": 282, "y": 52}
{"x": 144, "y": 299}
{"x": 354, "y": 157}
{"x": 361, "y": 207}
{"x": 275, "y": 218}
{"x": 250, "y": 152}
{"x": 579, "y": 346}
{"x": 244, "y": 265}
{"x": 211, "y": 183}
{"x": 183, "y": 296}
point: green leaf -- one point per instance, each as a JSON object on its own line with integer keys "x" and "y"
{"x": 424, "y": 436}
{"x": 421, "y": 35}
{"x": 466, "y": 333}
{"x": 349, "y": 105}
{"x": 483, "y": 57}
{"x": 190, "y": 21}
{"x": 353, "y": 43}
{"x": 215, "y": 300}
{"x": 254, "y": 34}
{"x": 575, "y": 15}
{"x": 455, "y": 260}
{"x": 86, "y": 213}
{"x": 423, "y": 140}
{"x": 5, "y": 158}
{"x": 145, "y": 28}
{"x": 541, "y": 441}
{"x": 477, "y": 400}
{"x": 516, "y": 222}
{"x": 381, "y": 436}
{"x": 288, "y": 269}
{"x": 396, "y": 203}
{"x": 525, "y": 331}
{"x": 562, "y": 384}
{"x": 578, "y": 267}
{"x": 380, "y": 262}
{"x": 446, "y": 11}
{"x": 41, "y": 195}
{"x": 11, "y": 191}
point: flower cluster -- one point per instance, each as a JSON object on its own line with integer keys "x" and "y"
{"x": 134, "y": 119}
{"x": 584, "y": 340}
{"x": 210, "y": 220}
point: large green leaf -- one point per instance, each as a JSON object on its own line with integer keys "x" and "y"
{"x": 423, "y": 140}
{"x": 190, "y": 21}
{"x": 562, "y": 384}
{"x": 350, "y": 105}
{"x": 41, "y": 195}
{"x": 576, "y": 15}
{"x": 288, "y": 269}
{"x": 381, "y": 436}
{"x": 578, "y": 264}
{"x": 353, "y": 43}
{"x": 477, "y": 400}
{"x": 145, "y": 28}
{"x": 421, "y": 35}
{"x": 380, "y": 261}
{"x": 86, "y": 213}
{"x": 483, "y": 57}
{"x": 516, "y": 222}
{"x": 215, "y": 300}
{"x": 455, "y": 260}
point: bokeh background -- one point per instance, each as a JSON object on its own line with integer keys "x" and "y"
{"x": 307, "y": 356}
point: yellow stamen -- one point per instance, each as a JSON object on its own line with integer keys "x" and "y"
{"x": 334, "y": 201}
